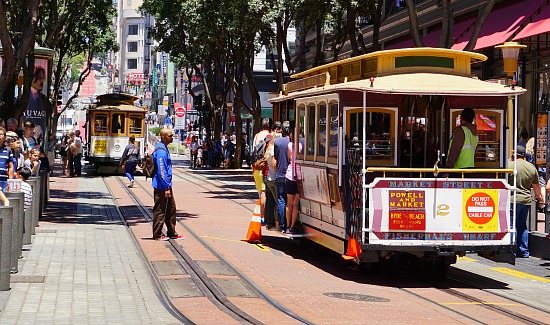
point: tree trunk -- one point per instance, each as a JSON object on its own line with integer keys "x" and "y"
{"x": 446, "y": 19}
{"x": 479, "y": 23}
{"x": 413, "y": 19}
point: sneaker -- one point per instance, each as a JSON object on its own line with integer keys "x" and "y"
{"x": 162, "y": 238}
{"x": 176, "y": 237}
{"x": 131, "y": 184}
{"x": 290, "y": 231}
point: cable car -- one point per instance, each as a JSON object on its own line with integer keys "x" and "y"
{"x": 374, "y": 131}
{"x": 110, "y": 123}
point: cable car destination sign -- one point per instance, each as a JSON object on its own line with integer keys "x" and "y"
{"x": 405, "y": 212}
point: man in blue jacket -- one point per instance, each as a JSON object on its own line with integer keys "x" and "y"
{"x": 164, "y": 210}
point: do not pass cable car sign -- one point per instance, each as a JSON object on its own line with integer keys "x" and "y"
{"x": 180, "y": 112}
{"x": 480, "y": 210}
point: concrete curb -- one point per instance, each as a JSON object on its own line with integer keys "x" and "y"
{"x": 539, "y": 245}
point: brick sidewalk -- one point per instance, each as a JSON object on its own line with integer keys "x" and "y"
{"x": 82, "y": 266}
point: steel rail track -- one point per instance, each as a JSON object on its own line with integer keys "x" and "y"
{"x": 503, "y": 311}
{"x": 212, "y": 292}
{"x": 160, "y": 292}
{"x": 516, "y": 317}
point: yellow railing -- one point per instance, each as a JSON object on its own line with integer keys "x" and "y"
{"x": 437, "y": 171}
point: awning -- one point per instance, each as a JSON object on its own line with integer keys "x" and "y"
{"x": 501, "y": 24}
{"x": 539, "y": 25}
{"x": 432, "y": 38}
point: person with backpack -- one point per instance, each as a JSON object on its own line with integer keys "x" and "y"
{"x": 270, "y": 177}
{"x": 259, "y": 166}
{"x": 130, "y": 159}
{"x": 164, "y": 209}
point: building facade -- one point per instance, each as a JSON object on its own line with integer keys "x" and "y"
{"x": 133, "y": 60}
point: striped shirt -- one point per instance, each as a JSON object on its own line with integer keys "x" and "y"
{"x": 5, "y": 154}
{"x": 27, "y": 190}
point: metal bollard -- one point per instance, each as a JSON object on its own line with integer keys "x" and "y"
{"x": 47, "y": 189}
{"x": 27, "y": 225}
{"x": 6, "y": 214}
{"x": 42, "y": 175}
{"x": 35, "y": 206}
{"x": 17, "y": 202}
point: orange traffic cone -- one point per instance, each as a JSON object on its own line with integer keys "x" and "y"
{"x": 353, "y": 251}
{"x": 254, "y": 234}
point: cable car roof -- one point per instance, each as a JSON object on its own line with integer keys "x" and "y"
{"x": 116, "y": 98}
{"x": 414, "y": 84}
{"x": 121, "y": 108}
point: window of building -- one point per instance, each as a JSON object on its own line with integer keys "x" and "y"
{"x": 132, "y": 29}
{"x": 132, "y": 63}
{"x": 132, "y": 46}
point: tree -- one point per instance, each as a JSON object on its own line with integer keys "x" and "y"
{"x": 78, "y": 30}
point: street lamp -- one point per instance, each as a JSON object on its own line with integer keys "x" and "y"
{"x": 510, "y": 54}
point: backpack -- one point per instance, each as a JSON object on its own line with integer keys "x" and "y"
{"x": 149, "y": 170}
{"x": 258, "y": 160}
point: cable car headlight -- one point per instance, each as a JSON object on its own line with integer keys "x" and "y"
{"x": 117, "y": 147}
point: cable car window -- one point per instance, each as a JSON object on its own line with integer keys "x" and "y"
{"x": 380, "y": 139}
{"x": 135, "y": 123}
{"x": 118, "y": 123}
{"x": 489, "y": 149}
{"x": 333, "y": 137}
{"x": 322, "y": 133}
{"x": 100, "y": 124}
{"x": 300, "y": 125}
{"x": 310, "y": 138}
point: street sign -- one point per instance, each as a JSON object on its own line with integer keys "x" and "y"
{"x": 179, "y": 123}
{"x": 162, "y": 109}
{"x": 180, "y": 112}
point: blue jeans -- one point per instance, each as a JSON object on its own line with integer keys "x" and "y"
{"x": 281, "y": 202}
{"x": 130, "y": 169}
{"x": 522, "y": 234}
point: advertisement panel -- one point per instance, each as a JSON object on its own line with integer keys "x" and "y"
{"x": 410, "y": 212}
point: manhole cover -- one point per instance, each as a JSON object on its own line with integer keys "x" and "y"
{"x": 355, "y": 296}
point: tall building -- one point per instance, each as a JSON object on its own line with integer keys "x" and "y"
{"x": 133, "y": 60}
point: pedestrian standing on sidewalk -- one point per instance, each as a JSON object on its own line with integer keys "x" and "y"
{"x": 164, "y": 210}
{"x": 77, "y": 158}
{"x": 527, "y": 178}
{"x": 5, "y": 158}
{"x": 52, "y": 144}
{"x": 130, "y": 159}
{"x": 194, "y": 151}
{"x": 64, "y": 152}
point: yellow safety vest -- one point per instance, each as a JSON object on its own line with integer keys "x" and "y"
{"x": 467, "y": 153}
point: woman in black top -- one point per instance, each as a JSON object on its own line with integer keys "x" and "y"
{"x": 130, "y": 159}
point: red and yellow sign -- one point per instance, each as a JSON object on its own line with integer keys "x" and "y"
{"x": 480, "y": 210}
{"x": 407, "y": 210}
